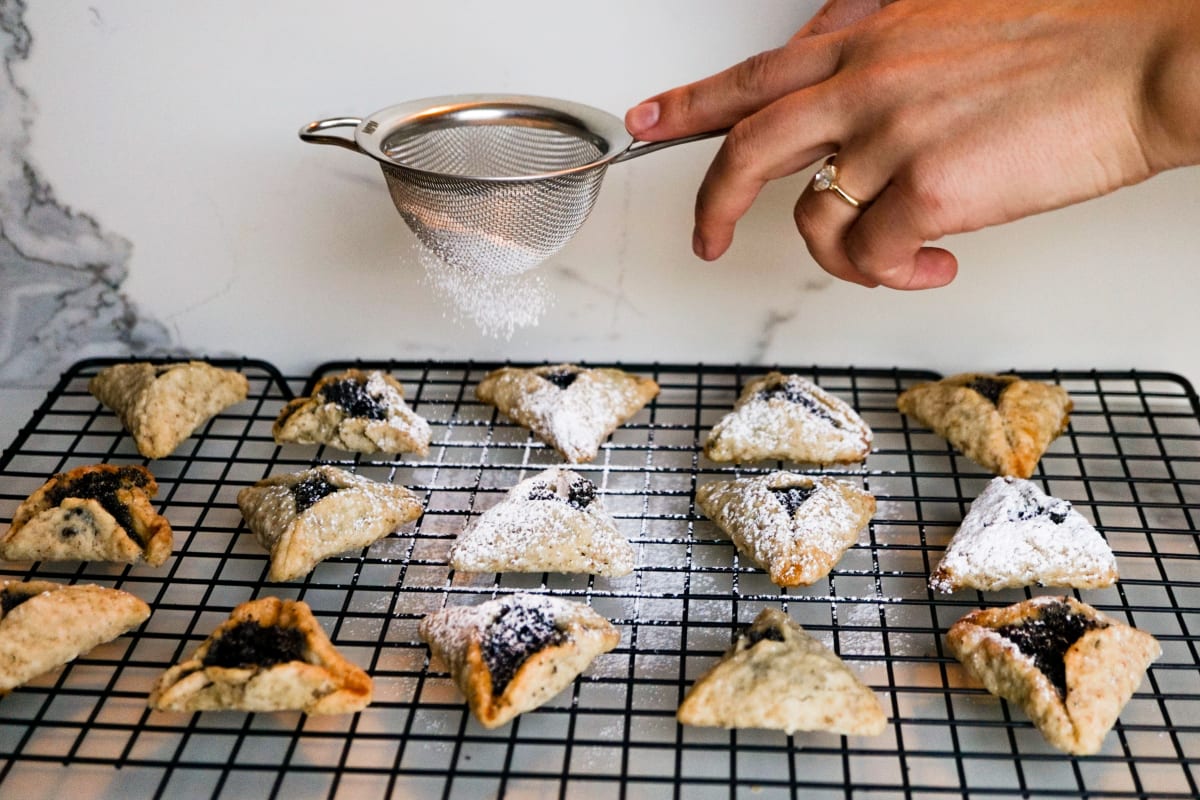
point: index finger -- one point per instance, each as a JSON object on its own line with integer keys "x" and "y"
{"x": 722, "y": 100}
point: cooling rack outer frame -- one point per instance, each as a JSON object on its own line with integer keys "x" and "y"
{"x": 1130, "y": 460}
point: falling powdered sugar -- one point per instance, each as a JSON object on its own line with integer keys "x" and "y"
{"x": 497, "y": 302}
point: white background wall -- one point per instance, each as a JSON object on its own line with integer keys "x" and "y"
{"x": 174, "y": 125}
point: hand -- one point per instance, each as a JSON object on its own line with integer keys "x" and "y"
{"x": 948, "y": 116}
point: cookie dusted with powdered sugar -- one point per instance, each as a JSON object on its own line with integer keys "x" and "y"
{"x": 570, "y": 408}
{"x": 552, "y": 522}
{"x": 1070, "y": 667}
{"x": 796, "y": 527}
{"x": 270, "y": 655}
{"x": 1001, "y": 422}
{"x": 1016, "y": 535}
{"x": 512, "y": 654}
{"x": 362, "y": 412}
{"x": 44, "y": 625}
{"x": 99, "y": 512}
{"x": 777, "y": 676}
{"x": 785, "y": 417}
{"x": 302, "y": 518}
{"x": 163, "y": 404}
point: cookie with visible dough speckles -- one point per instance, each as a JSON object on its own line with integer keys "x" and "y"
{"x": 1016, "y": 535}
{"x": 1001, "y": 422}
{"x": 99, "y": 512}
{"x": 571, "y": 408}
{"x": 302, "y": 518}
{"x": 796, "y": 527}
{"x": 163, "y": 404}
{"x": 785, "y": 417}
{"x": 779, "y": 677}
{"x": 270, "y": 655}
{"x": 1070, "y": 667}
{"x": 551, "y": 522}
{"x": 358, "y": 411}
{"x": 44, "y": 625}
{"x": 512, "y": 654}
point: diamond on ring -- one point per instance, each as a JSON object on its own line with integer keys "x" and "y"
{"x": 826, "y": 179}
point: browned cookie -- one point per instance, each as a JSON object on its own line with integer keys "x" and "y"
{"x": 100, "y": 512}
{"x": 163, "y": 404}
{"x": 1001, "y": 422}
{"x": 270, "y": 655}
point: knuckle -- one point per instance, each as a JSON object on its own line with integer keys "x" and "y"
{"x": 807, "y": 224}
{"x": 755, "y": 72}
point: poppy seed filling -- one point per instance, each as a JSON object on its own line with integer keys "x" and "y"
{"x": 580, "y": 494}
{"x": 10, "y": 599}
{"x": 352, "y": 396}
{"x": 753, "y": 636}
{"x": 102, "y": 487}
{"x": 516, "y": 633}
{"x": 990, "y": 388}
{"x": 308, "y": 492}
{"x": 1047, "y": 638}
{"x": 561, "y": 378}
{"x": 794, "y": 394}
{"x": 1033, "y": 506}
{"x": 792, "y": 497}
{"x": 249, "y": 644}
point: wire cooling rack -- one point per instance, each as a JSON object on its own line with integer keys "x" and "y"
{"x": 1130, "y": 461}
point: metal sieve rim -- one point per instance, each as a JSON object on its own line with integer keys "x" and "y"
{"x": 603, "y": 129}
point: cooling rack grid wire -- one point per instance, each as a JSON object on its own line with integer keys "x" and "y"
{"x": 1130, "y": 462}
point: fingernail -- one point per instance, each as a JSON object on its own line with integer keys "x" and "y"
{"x": 642, "y": 118}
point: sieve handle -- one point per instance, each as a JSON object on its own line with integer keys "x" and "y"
{"x": 641, "y": 148}
{"x": 312, "y": 132}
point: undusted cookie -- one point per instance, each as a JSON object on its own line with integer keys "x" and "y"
{"x": 270, "y": 655}
{"x": 100, "y": 512}
{"x": 363, "y": 412}
{"x": 305, "y": 517}
{"x": 44, "y": 625}
{"x": 551, "y": 522}
{"x": 777, "y": 676}
{"x": 796, "y": 527}
{"x": 570, "y": 408}
{"x": 1001, "y": 422}
{"x": 786, "y": 417}
{"x": 163, "y": 404}
{"x": 1016, "y": 535}
{"x": 512, "y": 654}
{"x": 1071, "y": 668}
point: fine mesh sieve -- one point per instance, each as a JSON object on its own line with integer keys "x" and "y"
{"x": 491, "y": 183}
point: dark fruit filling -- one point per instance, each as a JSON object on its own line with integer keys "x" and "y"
{"x": 10, "y": 599}
{"x": 562, "y": 379}
{"x": 755, "y": 635}
{"x": 794, "y": 394}
{"x": 309, "y": 491}
{"x": 792, "y": 497}
{"x": 1033, "y": 506}
{"x": 353, "y": 397}
{"x": 249, "y": 644}
{"x": 516, "y": 634}
{"x": 580, "y": 494}
{"x": 1047, "y": 638}
{"x": 990, "y": 388}
{"x": 102, "y": 487}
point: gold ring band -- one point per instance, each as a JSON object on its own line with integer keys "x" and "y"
{"x": 826, "y": 180}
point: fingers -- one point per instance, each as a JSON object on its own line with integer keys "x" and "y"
{"x": 883, "y": 241}
{"x": 722, "y": 100}
{"x": 781, "y": 139}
